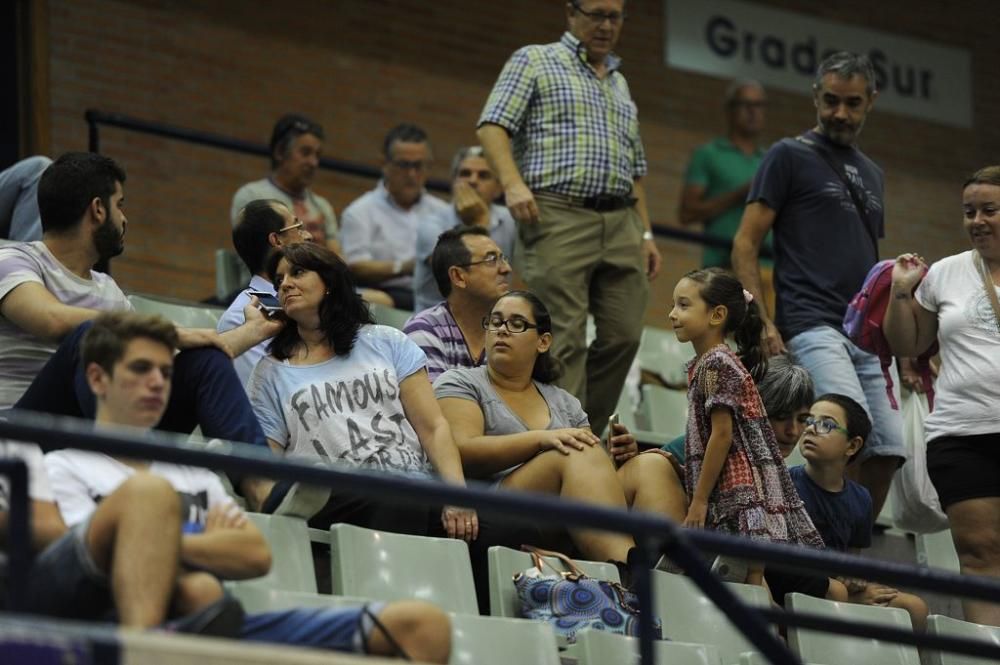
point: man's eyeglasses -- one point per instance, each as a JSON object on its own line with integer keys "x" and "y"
{"x": 292, "y": 227}
{"x": 514, "y": 324}
{"x": 407, "y": 165}
{"x": 825, "y": 425}
{"x": 491, "y": 260}
{"x": 597, "y": 18}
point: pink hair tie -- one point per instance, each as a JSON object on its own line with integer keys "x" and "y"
{"x": 747, "y": 296}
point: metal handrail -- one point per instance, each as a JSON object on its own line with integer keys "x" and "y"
{"x": 653, "y": 533}
{"x": 96, "y": 118}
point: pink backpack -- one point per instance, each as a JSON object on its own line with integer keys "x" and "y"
{"x": 863, "y": 326}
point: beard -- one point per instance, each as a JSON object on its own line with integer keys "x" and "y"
{"x": 108, "y": 242}
{"x": 844, "y": 134}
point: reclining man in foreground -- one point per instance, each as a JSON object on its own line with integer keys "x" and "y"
{"x": 128, "y": 360}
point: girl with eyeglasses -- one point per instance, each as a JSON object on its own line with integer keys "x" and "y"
{"x": 735, "y": 477}
{"x": 516, "y": 429}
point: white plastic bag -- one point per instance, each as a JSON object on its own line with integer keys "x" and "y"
{"x": 916, "y": 506}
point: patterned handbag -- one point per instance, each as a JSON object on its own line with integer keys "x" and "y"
{"x": 571, "y": 601}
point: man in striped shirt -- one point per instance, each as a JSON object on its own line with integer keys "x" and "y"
{"x": 472, "y": 272}
{"x": 562, "y": 132}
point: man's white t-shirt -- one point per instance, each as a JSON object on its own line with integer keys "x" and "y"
{"x": 967, "y": 392}
{"x": 82, "y": 479}
{"x": 22, "y": 354}
{"x": 39, "y": 488}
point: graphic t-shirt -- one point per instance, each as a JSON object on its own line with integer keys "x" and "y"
{"x": 82, "y": 479}
{"x": 347, "y": 409}
{"x": 822, "y": 249}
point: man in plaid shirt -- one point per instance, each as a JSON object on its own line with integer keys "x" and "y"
{"x": 562, "y": 133}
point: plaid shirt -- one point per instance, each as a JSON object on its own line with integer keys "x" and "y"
{"x": 572, "y": 132}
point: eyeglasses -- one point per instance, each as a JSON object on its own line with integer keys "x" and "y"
{"x": 407, "y": 165}
{"x": 597, "y": 18}
{"x": 514, "y": 324}
{"x": 491, "y": 260}
{"x": 292, "y": 227}
{"x": 824, "y": 425}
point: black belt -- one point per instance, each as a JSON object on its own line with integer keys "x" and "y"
{"x": 599, "y": 203}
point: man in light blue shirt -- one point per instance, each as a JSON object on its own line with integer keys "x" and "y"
{"x": 475, "y": 189}
{"x": 379, "y": 229}
{"x": 260, "y": 225}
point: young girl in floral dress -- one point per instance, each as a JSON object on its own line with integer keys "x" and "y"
{"x": 735, "y": 478}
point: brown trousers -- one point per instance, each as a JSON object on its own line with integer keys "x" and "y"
{"x": 578, "y": 261}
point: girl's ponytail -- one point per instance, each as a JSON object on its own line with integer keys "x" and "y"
{"x": 749, "y": 336}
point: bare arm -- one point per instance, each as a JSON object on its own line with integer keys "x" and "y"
{"x": 32, "y": 308}
{"x": 230, "y": 547}
{"x": 432, "y": 429}
{"x": 696, "y": 208}
{"x": 757, "y": 221}
{"x": 716, "y": 452}
{"x": 256, "y": 328}
{"x": 909, "y": 328}
{"x": 651, "y": 255}
{"x": 496, "y": 144}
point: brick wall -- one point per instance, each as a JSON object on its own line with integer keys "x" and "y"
{"x": 360, "y": 66}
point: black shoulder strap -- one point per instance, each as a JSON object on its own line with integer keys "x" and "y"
{"x": 838, "y": 168}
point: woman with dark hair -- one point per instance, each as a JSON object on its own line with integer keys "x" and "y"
{"x": 957, "y": 305}
{"x": 337, "y": 388}
{"x": 514, "y": 427}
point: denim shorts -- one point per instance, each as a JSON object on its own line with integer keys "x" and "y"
{"x": 65, "y": 582}
{"x": 337, "y": 629}
{"x": 836, "y": 365}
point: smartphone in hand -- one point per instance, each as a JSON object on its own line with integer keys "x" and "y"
{"x": 610, "y": 432}
{"x": 268, "y": 303}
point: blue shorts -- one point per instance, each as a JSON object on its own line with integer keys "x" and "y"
{"x": 65, "y": 582}
{"x": 836, "y": 365}
{"x": 338, "y": 629}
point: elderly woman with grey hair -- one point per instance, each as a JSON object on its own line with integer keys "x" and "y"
{"x": 787, "y": 393}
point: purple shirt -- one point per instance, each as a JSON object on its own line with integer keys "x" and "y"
{"x": 439, "y": 337}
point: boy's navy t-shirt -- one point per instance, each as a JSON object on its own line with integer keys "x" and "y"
{"x": 843, "y": 518}
{"x": 821, "y": 246}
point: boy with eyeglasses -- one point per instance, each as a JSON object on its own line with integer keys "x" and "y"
{"x": 840, "y": 508}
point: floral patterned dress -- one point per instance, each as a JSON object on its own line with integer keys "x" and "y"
{"x": 754, "y": 495}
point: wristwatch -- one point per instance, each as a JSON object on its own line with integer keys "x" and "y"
{"x": 647, "y": 235}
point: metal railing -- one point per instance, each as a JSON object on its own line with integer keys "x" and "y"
{"x": 653, "y": 534}
{"x": 97, "y": 118}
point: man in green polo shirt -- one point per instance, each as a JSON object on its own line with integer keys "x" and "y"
{"x": 719, "y": 174}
